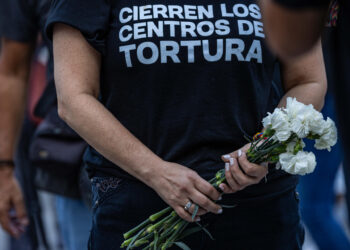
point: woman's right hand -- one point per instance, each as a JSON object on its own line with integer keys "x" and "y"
{"x": 177, "y": 185}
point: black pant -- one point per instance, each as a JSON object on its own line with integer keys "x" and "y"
{"x": 119, "y": 205}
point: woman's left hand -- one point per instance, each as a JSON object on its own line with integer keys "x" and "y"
{"x": 240, "y": 173}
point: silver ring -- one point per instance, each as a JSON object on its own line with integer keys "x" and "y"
{"x": 188, "y": 205}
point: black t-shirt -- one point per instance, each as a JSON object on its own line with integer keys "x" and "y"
{"x": 188, "y": 80}
{"x": 304, "y": 3}
{"x": 22, "y": 21}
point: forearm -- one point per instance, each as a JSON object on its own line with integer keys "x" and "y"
{"x": 292, "y": 32}
{"x": 310, "y": 93}
{"x": 12, "y": 106}
{"x": 77, "y": 76}
{"x": 305, "y": 78}
{"x": 109, "y": 137}
{"x": 15, "y": 60}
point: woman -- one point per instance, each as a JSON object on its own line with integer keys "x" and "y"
{"x": 161, "y": 90}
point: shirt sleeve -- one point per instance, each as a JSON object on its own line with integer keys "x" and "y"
{"x": 301, "y": 4}
{"x": 18, "y": 21}
{"x": 90, "y": 17}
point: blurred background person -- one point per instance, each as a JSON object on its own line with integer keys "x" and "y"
{"x": 21, "y": 22}
{"x": 292, "y": 28}
{"x": 317, "y": 192}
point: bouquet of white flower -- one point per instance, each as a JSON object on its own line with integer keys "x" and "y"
{"x": 281, "y": 143}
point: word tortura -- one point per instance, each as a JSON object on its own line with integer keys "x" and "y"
{"x": 210, "y": 49}
{"x": 169, "y": 51}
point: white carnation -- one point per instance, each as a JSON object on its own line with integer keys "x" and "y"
{"x": 302, "y": 163}
{"x": 317, "y": 123}
{"x": 267, "y": 120}
{"x": 328, "y": 136}
{"x": 278, "y": 121}
{"x": 300, "y": 116}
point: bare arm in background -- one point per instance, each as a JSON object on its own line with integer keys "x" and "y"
{"x": 292, "y": 32}
{"x": 305, "y": 79}
{"x": 15, "y": 60}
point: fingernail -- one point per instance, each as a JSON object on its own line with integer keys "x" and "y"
{"x": 226, "y": 157}
{"x": 198, "y": 219}
{"x": 220, "y": 211}
{"x": 239, "y": 153}
{"x": 222, "y": 187}
{"x": 232, "y": 161}
{"x": 220, "y": 198}
{"x": 227, "y": 166}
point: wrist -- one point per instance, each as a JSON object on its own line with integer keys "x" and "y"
{"x": 7, "y": 163}
{"x": 153, "y": 174}
{"x": 6, "y": 171}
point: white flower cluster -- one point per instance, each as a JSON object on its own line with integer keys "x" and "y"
{"x": 302, "y": 163}
{"x": 328, "y": 136}
{"x": 294, "y": 123}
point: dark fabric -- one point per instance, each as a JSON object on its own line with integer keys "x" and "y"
{"x": 89, "y": 16}
{"x": 21, "y": 21}
{"x": 186, "y": 107}
{"x": 297, "y": 4}
{"x": 337, "y": 54}
{"x": 317, "y": 198}
{"x": 273, "y": 224}
{"x": 342, "y": 86}
{"x": 342, "y": 61}
{"x": 34, "y": 236}
{"x": 56, "y": 150}
{"x": 85, "y": 187}
{"x": 55, "y": 145}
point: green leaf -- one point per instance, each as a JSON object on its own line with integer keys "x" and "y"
{"x": 195, "y": 212}
{"x": 206, "y": 231}
{"x": 182, "y": 245}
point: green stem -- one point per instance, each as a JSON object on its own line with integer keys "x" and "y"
{"x": 167, "y": 232}
{"x": 156, "y": 216}
{"x": 151, "y": 228}
{"x": 131, "y": 245}
{"x": 178, "y": 230}
{"x": 130, "y": 233}
{"x": 146, "y": 238}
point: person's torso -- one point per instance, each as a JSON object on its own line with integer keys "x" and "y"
{"x": 189, "y": 80}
